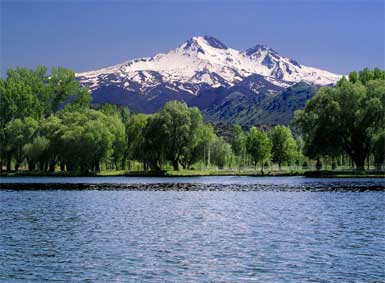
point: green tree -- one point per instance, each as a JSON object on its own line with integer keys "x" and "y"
{"x": 36, "y": 152}
{"x": 378, "y": 74}
{"x": 155, "y": 142}
{"x": 17, "y": 101}
{"x": 238, "y": 139}
{"x": 284, "y": 147}
{"x": 52, "y": 129}
{"x": 344, "y": 117}
{"x": 135, "y": 127}
{"x": 62, "y": 85}
{"x": 366, "y": 75}
{"x": 319, "y": 136}
{"x": 192, "y": 150}
{"x": 19, "y": 132}
{"x": 258, "y": 146}
{"x": 87, "y": 139}
{"x": 119, "y": 142}
{"x": 379, "y": 150}
{"x": 221, "y": 153}
{"x": 206, "y": 143}
{"x": 353, "y": 77}
{"x": 175, "y": 125}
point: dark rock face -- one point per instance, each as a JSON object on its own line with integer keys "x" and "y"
{"x": 295, "y": 63}
{"x": 214, "y": 42}
{"x": 258, "y": 49}
{"x": 268, "y": 62}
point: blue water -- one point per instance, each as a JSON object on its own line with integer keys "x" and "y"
{"x": 137, "y": 236}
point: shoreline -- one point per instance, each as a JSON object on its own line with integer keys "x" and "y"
{"x": 193, "y": 173}
{"x": 236, "y": 187}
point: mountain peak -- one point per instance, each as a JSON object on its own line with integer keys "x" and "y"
{"x": 202, "y": 41}
{"x": 258, "y": 48}
{"x": 203, "y": 62}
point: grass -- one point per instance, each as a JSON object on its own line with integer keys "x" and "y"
{"x": 345, "y": 174}
{"x": 208, "y": 172}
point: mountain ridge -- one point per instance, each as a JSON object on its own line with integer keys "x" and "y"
{"x": 227, "y": 85}
{"x": 204, "y": 62}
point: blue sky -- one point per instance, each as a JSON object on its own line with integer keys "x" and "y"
{"x": 338, "y": 36}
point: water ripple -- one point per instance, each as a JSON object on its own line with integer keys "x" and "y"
{"x": 133, "y": 236}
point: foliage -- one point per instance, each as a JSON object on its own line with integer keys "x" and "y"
{"x": 238, "y": 140}
{"x": 28, "y": 93}
{"x": 18, "y": 133}
{"x": 258, "y": 145}
{"x": 284, "y": 146}
{"x": 47, "y": 122}
{"x": 221, "y": 153}
{"x": 379, "y": 149}
{"x": 346, "y": 117}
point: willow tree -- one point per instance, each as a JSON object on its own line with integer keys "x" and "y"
{"x": 345, "y": 117}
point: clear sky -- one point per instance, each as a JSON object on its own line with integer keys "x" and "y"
{"x": 338, "y": 35}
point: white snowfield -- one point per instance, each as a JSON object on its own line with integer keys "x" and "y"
{"x": 205, "y": 61}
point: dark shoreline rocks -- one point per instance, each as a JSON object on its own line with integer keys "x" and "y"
{"x": 310, "y": 187}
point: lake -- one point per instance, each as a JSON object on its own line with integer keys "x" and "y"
{"x": 192, "y": 236}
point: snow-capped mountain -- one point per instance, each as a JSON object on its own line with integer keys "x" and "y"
{"x": 201, "y": 63}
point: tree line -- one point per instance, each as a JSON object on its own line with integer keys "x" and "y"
{"x": 348, "y": 118}
{"x": 47, "y": 123}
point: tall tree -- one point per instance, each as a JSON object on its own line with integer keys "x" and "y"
{"x": 62, "y": 85}
{"x": 191, "y": 151}
{"x": 135, "y": 127}
{"x": 175, "y": 126}
{"x": 19, "y": 132}
{"x": 155, "y": 142}
{"x": 379, "y": 150}
{"x": 345, "y": 117}
{"x": 221, "y": 153}
{"x": 258, "y": 146}
{"x": 238, "y": 139}
{"x": 284, "y": 147}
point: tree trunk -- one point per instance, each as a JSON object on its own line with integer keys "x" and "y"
{"x": 97, "y": 166}
{"x": 360, "y": 163}
{"x": 69, "y": 167}
{"x": 31, "y": 165}
{"x": 52, "y": 167}
{"x": 208, "y": 156}
{"x": 8, "y": 164}
{"x": 17, "y": 165}
{"x": 175, "y": 165}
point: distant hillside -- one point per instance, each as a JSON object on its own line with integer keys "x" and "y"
{"x": 244, "y": 107}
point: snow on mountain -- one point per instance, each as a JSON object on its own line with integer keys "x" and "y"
{"x": 204, "y": 62}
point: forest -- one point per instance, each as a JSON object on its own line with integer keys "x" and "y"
{"x": 48, "y": 123}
